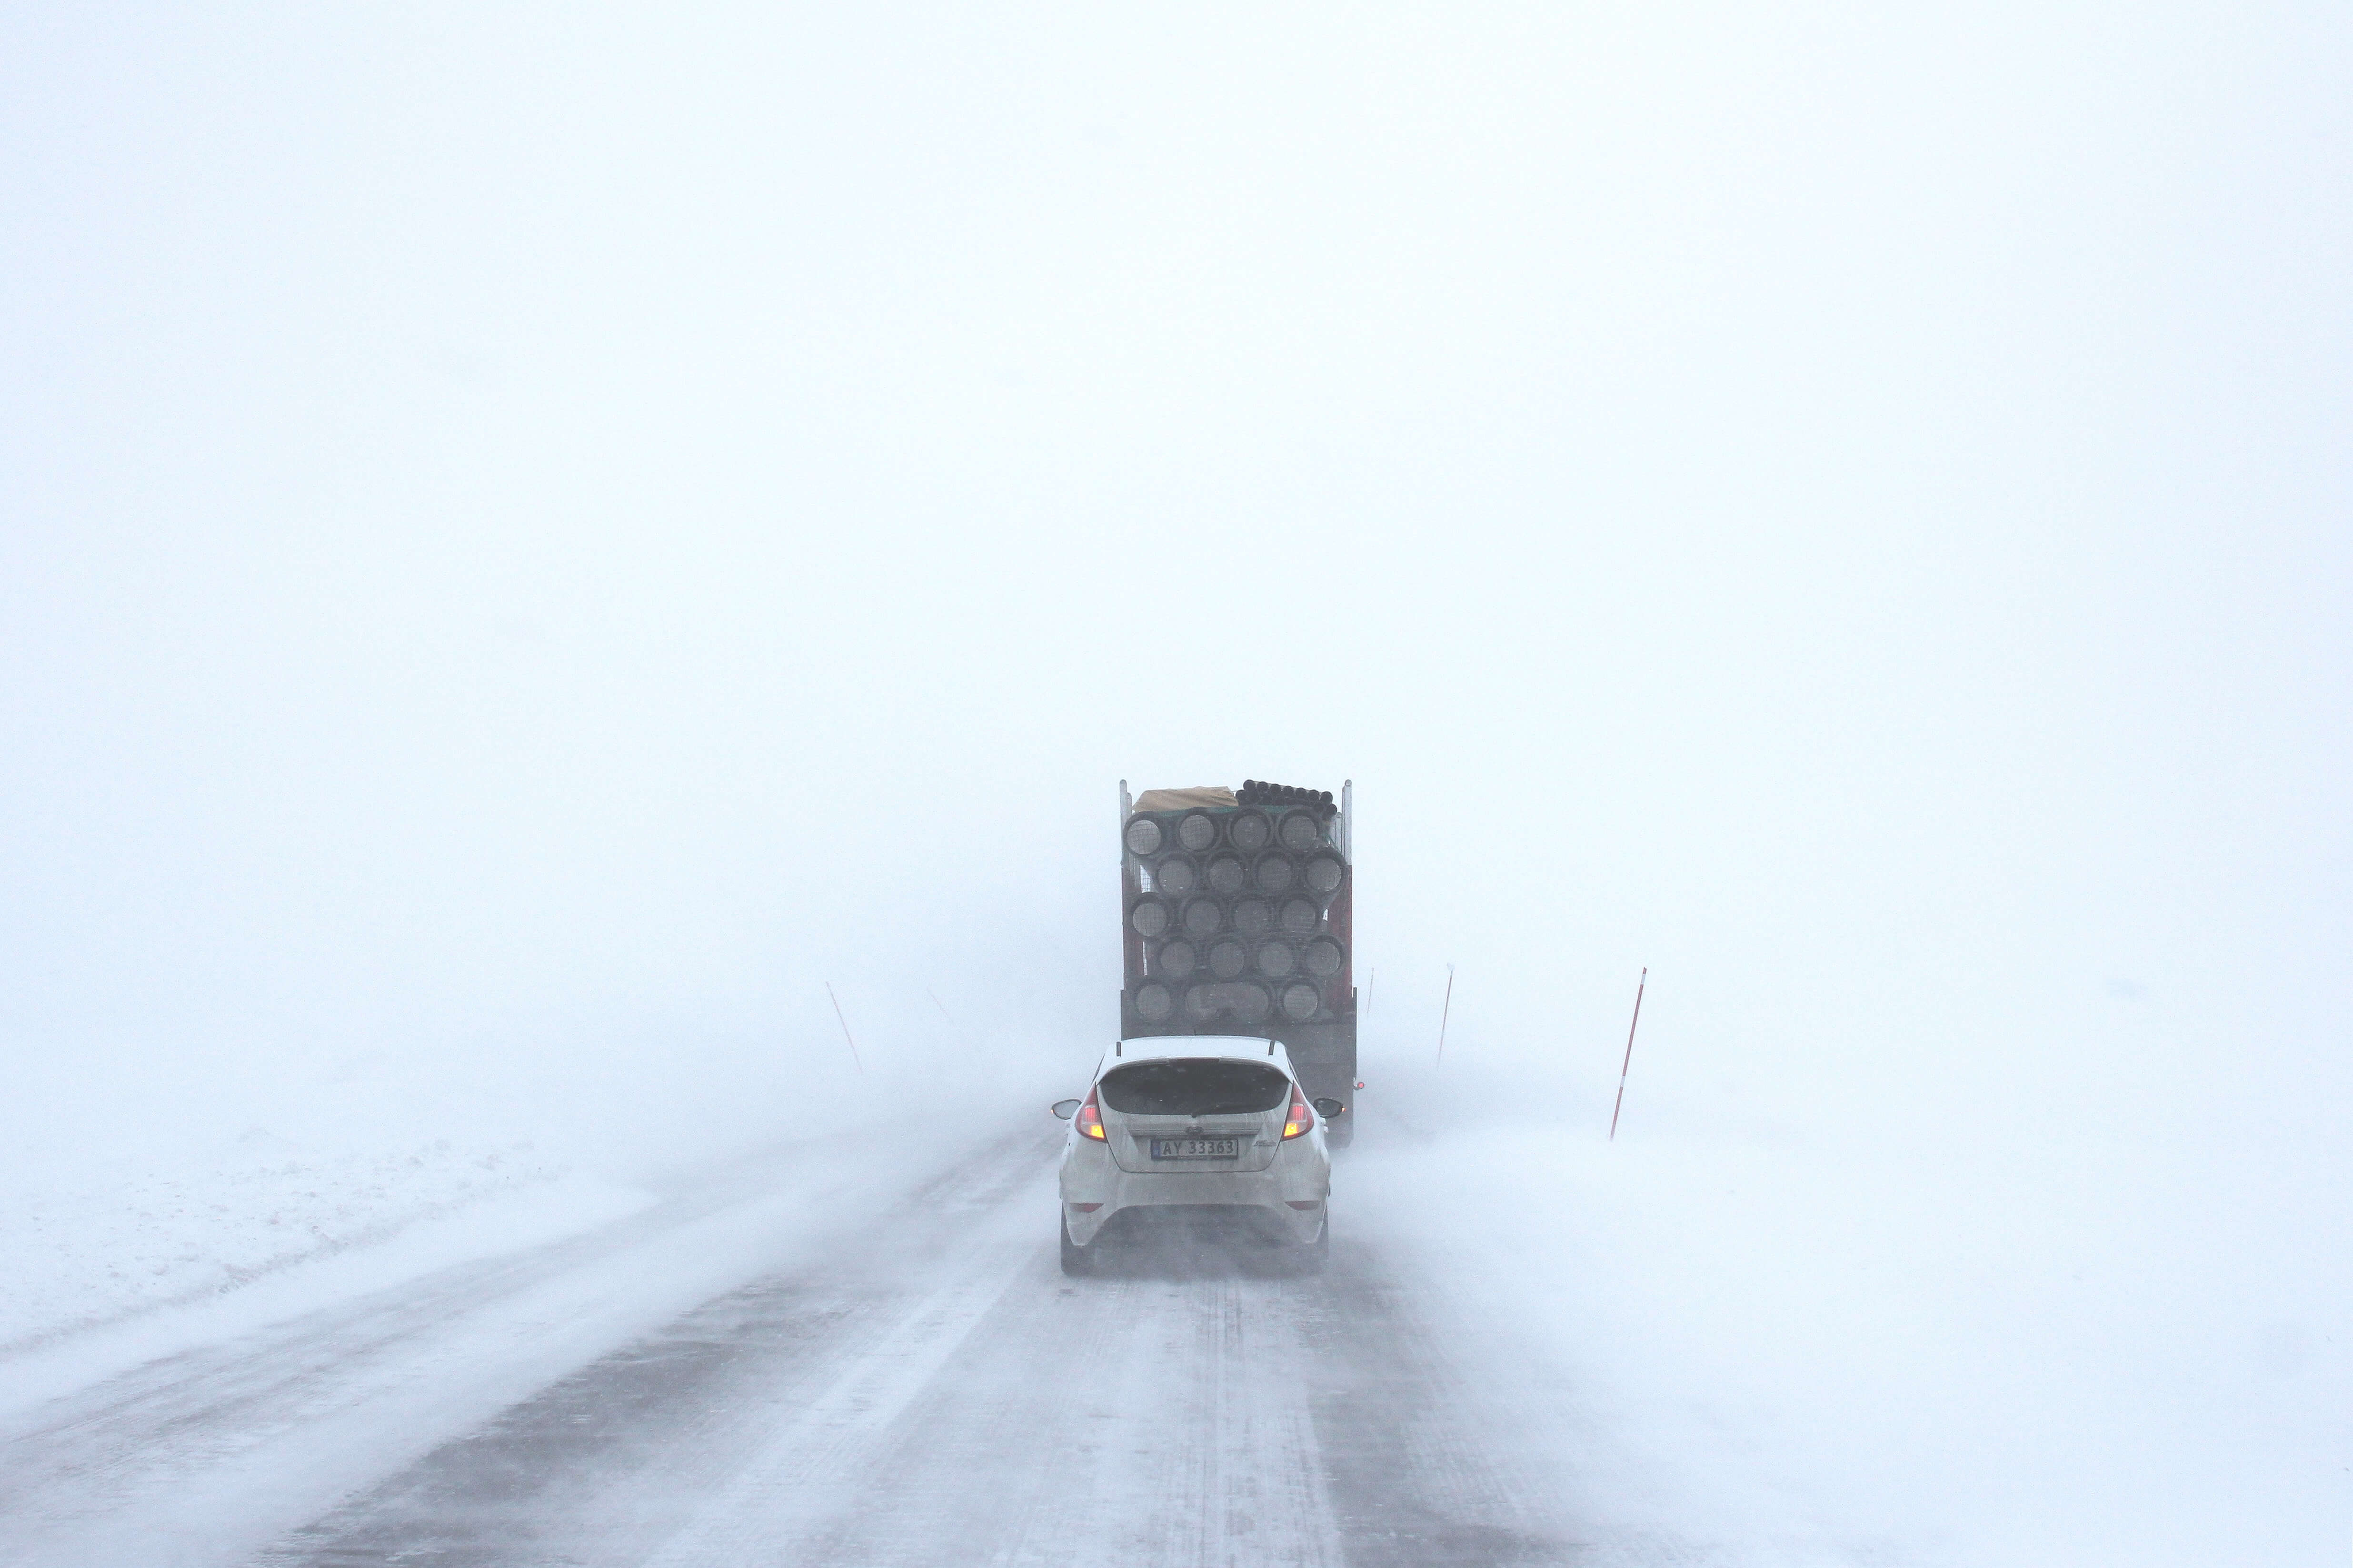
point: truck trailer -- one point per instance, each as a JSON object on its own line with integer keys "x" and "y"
{"x": 1237, "y": 911}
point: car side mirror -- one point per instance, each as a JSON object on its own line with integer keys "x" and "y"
{"x": 1328, "y": 1108}
{"x": 1064, "y": 1108}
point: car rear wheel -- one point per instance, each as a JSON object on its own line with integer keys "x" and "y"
{"x": 1318, "y": 1252}
{"x": 1076, "y": 1259}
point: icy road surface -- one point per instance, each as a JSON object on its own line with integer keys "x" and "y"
{"x": 713, "y": 1381}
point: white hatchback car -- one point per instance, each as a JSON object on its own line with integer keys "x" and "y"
{"x": 1186, "y": 1128}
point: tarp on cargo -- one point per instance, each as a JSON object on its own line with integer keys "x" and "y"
{"x": 1192, "y": 799}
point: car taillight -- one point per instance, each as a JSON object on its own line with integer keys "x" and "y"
{"x": 1090, "y": 1120}
{"x": 1300, "y": 1119}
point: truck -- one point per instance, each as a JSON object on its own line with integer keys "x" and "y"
{"x": 1236, "y": 918}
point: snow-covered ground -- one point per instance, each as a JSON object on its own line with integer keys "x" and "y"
{"x": 194, "y": 1435}
{"x": 101, "y": 1247}
{"x": 1709, "y": 1343}
{"x": 1801, "y": 1348}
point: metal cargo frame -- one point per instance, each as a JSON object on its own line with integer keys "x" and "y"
{"x": 1325, "y": 1049}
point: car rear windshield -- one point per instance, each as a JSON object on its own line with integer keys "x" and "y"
{"x": 1194, "y": 1086}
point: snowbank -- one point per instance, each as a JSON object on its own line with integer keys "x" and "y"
{"x": 1787, "y": 1349}
{"x": 101, "y": 1247}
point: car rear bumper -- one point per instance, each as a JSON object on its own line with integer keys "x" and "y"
{"x": 1186, "y": 1227}
{"x": 1288, "y": 1198}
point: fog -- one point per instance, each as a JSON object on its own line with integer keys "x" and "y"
{"x": 536, "y": 540}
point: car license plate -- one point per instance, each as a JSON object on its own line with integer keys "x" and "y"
{"x": 1197, "y": 1148}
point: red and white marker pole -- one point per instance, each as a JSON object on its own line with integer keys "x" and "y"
{"x": 1628, "y": 1062}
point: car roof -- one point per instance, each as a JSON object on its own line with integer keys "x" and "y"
{"x": 1154, "y": 1045}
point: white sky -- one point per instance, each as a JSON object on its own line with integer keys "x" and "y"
{"x": 544, "y": 533}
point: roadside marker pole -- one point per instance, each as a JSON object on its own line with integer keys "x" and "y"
{"x": 1628, "y": 1062}
{"x": 845, "y": 1028}
{"x": 1444, "y": 1012}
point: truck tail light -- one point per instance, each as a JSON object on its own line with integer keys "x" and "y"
{"x": 1300, "y": 1119}
{"x": 1090, "y": 1120}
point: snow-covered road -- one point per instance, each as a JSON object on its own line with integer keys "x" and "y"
{"x": 767, "y": 1368}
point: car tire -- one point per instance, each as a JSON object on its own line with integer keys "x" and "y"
{"x": 1076, "y": 1259}
{"x": 1318, "y": 1252}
